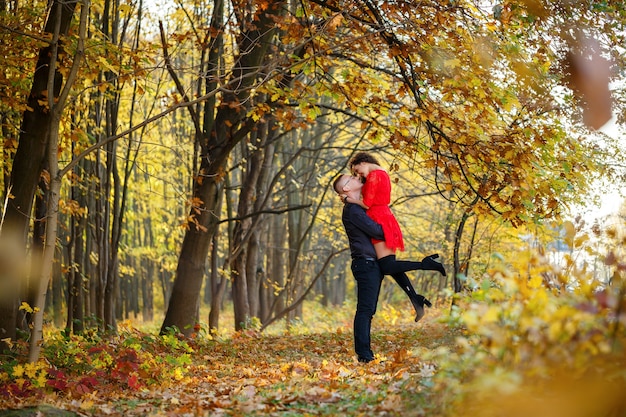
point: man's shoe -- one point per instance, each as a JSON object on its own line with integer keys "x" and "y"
{"x": 433, "y": 263}
{"x": 365, "y": 360}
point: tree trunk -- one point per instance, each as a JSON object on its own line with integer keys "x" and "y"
{"x": 256, "y": 252}
{"x": 266, "y": 289}
{"x": 75, "y": 291}
{"x": 182, "y": 311}
{"x": 56, "y": 109}
{"x": 146, "y": 289}
{"x": 48, "y": 253}
{"x": 75, "y": 250}
{"x": 277, "y": 270}
{"x": 30, "y": 155}
{"x": 112, "y": 230}
{"x": 458, "y": 285}
{"x": 91, "y": 242}
{"x": 218, "y": 284}
{"x": 241, "y": 234}
{"x": 57, "y": 290}
{"x": 253, "y": 269}
{"x": 30, "y": 286}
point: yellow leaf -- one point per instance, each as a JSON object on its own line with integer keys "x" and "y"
{"x": 41, "y": 380}
{"x": 492, "y": 27}
{"x": 452, "y": 63}
{"x": 580, "y": 240}
{"x": 126, "y": 9}
{"x": 88, "y": 405}
{"x": 470, "y": 318}
{"x": 31, "y": 370}
{"x": 106, "y": 64}
{"x": 178, "y": 374}
{"x": 18, "y": 371}
{"x": 570, "y": 232}
{"x": 555, "y": 330}
{"x": 492, "y": 314}
{"x": 26, "y": 307}
{"x": 535, "y": 282}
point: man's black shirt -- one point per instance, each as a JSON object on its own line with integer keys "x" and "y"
{"x": 360, "y": 228}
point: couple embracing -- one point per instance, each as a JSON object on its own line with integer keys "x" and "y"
{"x": 374, "y": 236}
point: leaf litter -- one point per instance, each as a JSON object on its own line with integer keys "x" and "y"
{"x": 254, "y": 374}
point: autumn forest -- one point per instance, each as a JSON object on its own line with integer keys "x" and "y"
{"x": 171, "y": 244}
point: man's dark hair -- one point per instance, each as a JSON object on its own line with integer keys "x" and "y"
{"x": 336, "y": 181}
{"x": 362, "y": 157}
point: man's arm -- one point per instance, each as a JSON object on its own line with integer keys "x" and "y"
{"x": 361, "y": 220}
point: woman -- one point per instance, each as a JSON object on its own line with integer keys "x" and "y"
{"x": 376, "y": 196}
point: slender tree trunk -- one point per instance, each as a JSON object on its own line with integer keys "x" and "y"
{"x": 240, "y": 292}
{"x": 57, "y": 291}
{"x": 146, "y": 289}
{"x": 76, "y": 292}
{"x": 71, "y": 275}
{"x": 449, "y": 240}
{"x": 30, "y": 286}
{"x": 458, "y": 284}
{"x": 256, "y": 252}
{"x": 101, "y": 239}
{"x": 91, "y": 242}
{"x": 299, "y": 221}
{"x": 48, "y": 253}
{"x": 253, "y": 267}
{"x": 111, "y": 288}
{"x": 218, "y": 281}
{"x": 277, "y": 269}
{"x": 265, "y": 287}
{"x": 78, "y": 263}
{"x": 218, "y": 286}
{"x": 470, "y": 249}
{"x": 56, "y": 109}
{"x": 240, "y": 254}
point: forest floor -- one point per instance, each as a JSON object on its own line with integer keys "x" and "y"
{"x": 245, "y": 374}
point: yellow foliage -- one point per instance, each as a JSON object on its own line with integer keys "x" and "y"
{"x": 18, "y": 371}
{"x": 539, "y": 339}
{"x": 491, "y": 315}
{"x": 178, "y": 374}
{"x": 26, "y": 307}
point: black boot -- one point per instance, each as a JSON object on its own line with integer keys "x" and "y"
{"x": 433, "y": 263}
{"x": 419, "y": 304}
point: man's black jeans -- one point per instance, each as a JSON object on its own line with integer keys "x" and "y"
{"x": 368, "y": 278}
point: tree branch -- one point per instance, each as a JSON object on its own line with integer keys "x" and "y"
{"x": 179, "y": 85}
{"x": 268, "y": 211}
{"x": 296, "y": 303}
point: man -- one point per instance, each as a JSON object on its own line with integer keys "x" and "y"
{"x": 360, "y": 229}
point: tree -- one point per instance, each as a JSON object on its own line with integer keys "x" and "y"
{"x": 40, "y": 123}
{"x": 55, "y": 108}
{"x": 228, "y": 129}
